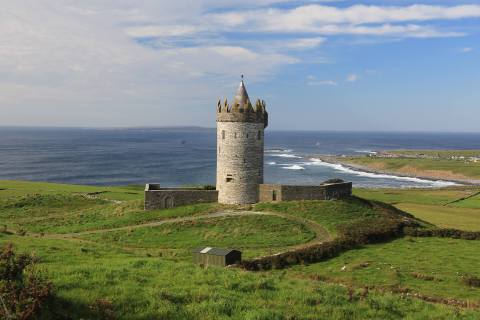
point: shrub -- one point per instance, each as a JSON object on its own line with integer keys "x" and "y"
{"x": 471, "y": 281}
{"x": 24, "y": 294}
{"x": 423, "y": 276}
{"x": 443, "y": 233}
{"x": 373, "y": 230}
{"x": 307, "y": 255}
{"x": 103, "y": 309}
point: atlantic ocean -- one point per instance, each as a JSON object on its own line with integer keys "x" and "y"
{"x": 187, "y": 156}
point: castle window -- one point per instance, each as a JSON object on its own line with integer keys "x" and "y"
{"x": 229, "y": 178}
{"x": 274, "y": 195}
{"x": 223, "y": 134}
{"x": 235, "y": 135}
{"x": 259, "y": 135}
{"x": 247, "y": 135}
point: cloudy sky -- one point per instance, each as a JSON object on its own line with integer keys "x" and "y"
{"x": 320, "y": 65}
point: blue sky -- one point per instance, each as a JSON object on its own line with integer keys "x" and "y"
{"x": 320, "y": 65}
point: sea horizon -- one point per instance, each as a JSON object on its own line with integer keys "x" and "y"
{"x": 178, "y": 156}
{"x": 180, "y": 127}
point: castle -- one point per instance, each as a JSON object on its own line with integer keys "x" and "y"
{"x": 240, "y": 148}
{"x": 240, "y": 156}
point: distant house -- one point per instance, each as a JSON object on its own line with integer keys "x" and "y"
{"x": 209, "y": 256}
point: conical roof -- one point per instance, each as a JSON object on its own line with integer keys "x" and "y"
{"x": 241, "y": 97}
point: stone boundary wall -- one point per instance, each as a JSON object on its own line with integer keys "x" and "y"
{"x": 337, "y": 190}
{"x": 163, "y": 198}
{"x": 278, "y": 192}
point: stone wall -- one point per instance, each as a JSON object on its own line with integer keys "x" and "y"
{"x": 337, "y": 190}
{"x": 277, "y": 192}
{"x": 239, "y": 161}
{"x": 162, "y": 198}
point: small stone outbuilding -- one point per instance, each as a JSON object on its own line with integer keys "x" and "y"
{"x": 209, "y": 256}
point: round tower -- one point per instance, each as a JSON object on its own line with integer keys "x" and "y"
{"x": 240, "y": 147}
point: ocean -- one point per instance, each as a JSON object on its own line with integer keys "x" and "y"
{"x": 186, "y": 156}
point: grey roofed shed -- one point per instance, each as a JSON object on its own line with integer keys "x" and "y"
{"x": 216, "y": 256}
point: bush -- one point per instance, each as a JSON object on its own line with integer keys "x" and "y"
{"x": 103, "y": 309}
{"x": 307, "y": 255}
{"x": 471, "y": 281}
{"x": 373, "y": 230}
{"x": 443, "y": 233}
{"x": 23, "y": 293}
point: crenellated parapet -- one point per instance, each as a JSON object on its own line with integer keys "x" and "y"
{"x": 242, "y": 112}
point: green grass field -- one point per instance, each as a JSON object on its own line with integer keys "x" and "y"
{"x": 144, "y": 271}
{"x": 439, "y": 153}
{"x": 146, "y": 287}
{"x": 256, "y": 235}
{"x": 454, "y": 207}
{"x": 329, "y": 214}
{"x": 427, "y": 265}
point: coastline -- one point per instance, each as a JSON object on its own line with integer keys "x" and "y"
{"x": 337, "y": 160}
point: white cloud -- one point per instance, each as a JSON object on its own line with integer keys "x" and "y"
{"x": 322, "y": 83}
{"x": 357, "y": 19}
{"x": 305, "y": 43}
{"x": 353, "y": 77}
{"x": 79, "y": 65}
{"x": 308, "y": 16}
{"x": 466, "y": 50}
{"x": 161, "y": 31}
{"x": 88, "y": 61}
{"x": 314, "y": 81}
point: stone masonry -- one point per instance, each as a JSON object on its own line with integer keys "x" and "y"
{"x": 328, "y": 191}
{"x": 240, "y": 148}
{"x": 164, "y": 198}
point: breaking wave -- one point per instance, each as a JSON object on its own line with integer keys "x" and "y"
{"x": 294, "y": 167}
{"x": 278, "y": 150}
{"x": 365, "y": 151}
{"x": 342, "y": 168}
{"x": 286, "y": 155}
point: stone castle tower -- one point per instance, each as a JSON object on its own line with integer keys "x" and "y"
{"x": 240, "y": 147}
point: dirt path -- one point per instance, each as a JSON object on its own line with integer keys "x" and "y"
{"x": 166, "y": 221}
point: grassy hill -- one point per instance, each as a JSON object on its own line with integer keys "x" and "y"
{"x": 453, "y": 207}
{"x": 106, "y": 256}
